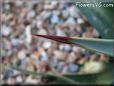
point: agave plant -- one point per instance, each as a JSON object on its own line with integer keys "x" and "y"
{"x": 102, "y": 20}
{"x": 97, "y": 45}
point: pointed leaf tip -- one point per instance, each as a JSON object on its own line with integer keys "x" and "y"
{"x": 61, "y": 39}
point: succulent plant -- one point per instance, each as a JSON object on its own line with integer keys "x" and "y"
{"x": 102, "y": 19}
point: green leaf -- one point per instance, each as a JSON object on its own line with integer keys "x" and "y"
{"x": 104, "y": 46}
{"x": 104, "y": 77}
{"x": 45, "y": 74}
{"x": 100, "y": 17}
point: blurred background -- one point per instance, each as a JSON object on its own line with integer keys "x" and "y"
{"x": 21, "y": 18}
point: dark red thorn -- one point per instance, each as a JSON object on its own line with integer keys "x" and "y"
{"x": 61, "y": 39}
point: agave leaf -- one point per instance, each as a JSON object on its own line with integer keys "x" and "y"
{"x": 105, "y": 77}
{"x": 45, "y": 74}
{"x": 104, "y": 46}
{"x": 100, "y": 17}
